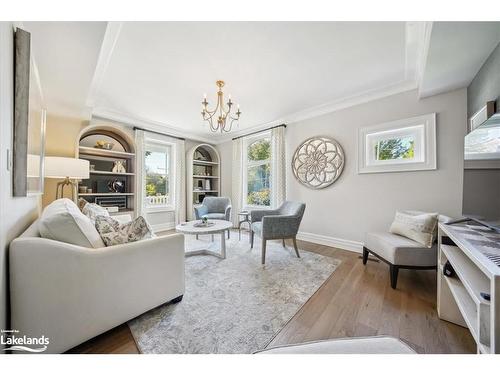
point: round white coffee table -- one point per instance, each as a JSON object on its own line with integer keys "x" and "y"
{"x": 219, "y": 226}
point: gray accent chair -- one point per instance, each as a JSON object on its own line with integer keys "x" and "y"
{"x": 218, "y": 208}
{"x": 281, "y": 223}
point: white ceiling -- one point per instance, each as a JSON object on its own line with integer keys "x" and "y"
{"x": 456, "y": 53}
{"x": 66, "y": 55}
{"x": 155, "y": 73}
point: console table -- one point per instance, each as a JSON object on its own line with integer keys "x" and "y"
{"x": 474, "y": 253}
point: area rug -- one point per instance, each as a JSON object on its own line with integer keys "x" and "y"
{"x": 234, "y": 305}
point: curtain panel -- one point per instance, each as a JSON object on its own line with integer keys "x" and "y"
{"x": 237, "y": 182}
{"x": 278, "y": 159}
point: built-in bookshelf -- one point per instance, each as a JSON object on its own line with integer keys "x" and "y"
{"x": 203, "y": 175}
{"x": 108, "y": 185}
{"x": 470, "y": 296}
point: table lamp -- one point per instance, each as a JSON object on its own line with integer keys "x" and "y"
{"x": 69, "y": 169}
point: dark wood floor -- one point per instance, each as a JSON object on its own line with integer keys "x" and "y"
{"x": 355, "y": 301}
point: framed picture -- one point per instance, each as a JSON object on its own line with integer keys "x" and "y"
{"x": 397, "y": 146}
{"x": 29, "y": 120}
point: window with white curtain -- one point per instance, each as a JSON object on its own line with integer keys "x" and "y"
{"x": 257, "y": 171}
{"x": 158, "y": 176}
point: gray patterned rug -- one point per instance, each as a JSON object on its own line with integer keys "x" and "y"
{"x": 234, "y": 305}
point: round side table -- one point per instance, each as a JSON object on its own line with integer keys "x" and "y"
{"x": 244, "y": 218}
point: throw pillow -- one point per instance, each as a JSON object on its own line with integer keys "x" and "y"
{"x": 92, "y": 210}
{"x": 417, "y": 227}
{"x": 114, "y": 233}
{"x": 62, "y": 221}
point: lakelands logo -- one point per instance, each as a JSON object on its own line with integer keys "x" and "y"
{"x": 16, "y": 342}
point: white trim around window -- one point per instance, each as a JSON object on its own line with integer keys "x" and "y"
{"x": 415, "y": 137}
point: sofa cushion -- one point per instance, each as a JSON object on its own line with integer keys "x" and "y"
{"x": 419, "y": 227}
{"x": 355, "y": 345}
{"x": 216, "y": 216}
{"x": 114, "y": 233}
{"x": 400, "y": 250}
{"x": 62, "y": 221}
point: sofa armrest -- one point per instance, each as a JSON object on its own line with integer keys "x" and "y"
{"x": 257, "y": 215}
{"x": 71, "y": 294}
{"x": 280, "y": 226}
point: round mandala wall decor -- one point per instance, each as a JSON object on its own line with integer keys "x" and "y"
{"x": 318, "y": 162}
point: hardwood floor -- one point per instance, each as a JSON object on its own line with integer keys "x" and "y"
{"x": 356, "y": 300}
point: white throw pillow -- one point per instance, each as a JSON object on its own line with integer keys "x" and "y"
{"x": 62, "y": 221}
{"x": 114, "y": 233}
{"x": 417, "y": 227}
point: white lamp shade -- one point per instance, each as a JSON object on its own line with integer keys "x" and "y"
{"x": 59, "y": 167}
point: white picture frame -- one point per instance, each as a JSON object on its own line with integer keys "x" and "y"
{"x": 419, "y": 130}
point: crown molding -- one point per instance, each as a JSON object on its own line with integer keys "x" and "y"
{"x": 424, "y": 42}
{"x": 131, "y": 120}
{"x": 330, "y": 107}
{"x": 109, "y": 40}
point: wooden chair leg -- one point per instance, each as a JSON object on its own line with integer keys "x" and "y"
{"x": 251, "y": 239}
{"x": 229, "y": 234}
{"x": 284, "y": 245}
{"x": 365, "y": 255}
{"x": 394, "y": 275}
{"x": 263, "y": 251}
{"x": 295, "y": 247}
{"x": 196, "y": 236}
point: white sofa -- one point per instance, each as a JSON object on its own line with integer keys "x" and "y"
{"x": 71, "y": 293}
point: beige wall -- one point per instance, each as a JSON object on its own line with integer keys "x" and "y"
{"x": 226, "y": 154}
{"x": 61, "y": 136}
{"x": 357, "y": 203}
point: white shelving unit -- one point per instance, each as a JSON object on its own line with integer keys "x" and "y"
{"x": 103, "y": 159}
{"x": 459, "y": 297}
{"x": 206, "y": 171}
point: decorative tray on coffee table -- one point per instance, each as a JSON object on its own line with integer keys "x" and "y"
{"x": 203, "y": 225}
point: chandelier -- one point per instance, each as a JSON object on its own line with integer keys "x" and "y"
{"x": 222, "y": 112}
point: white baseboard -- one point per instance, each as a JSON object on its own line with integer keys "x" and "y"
{"x": 162, "y": 227}
{"x": 339, "y": 243}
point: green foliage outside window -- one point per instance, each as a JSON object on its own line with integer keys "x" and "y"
{"x": 259, "y": 173}
{"x": 397, "y": 148}
{"x": 259, "y": 150}
{"x": 156, "y": 183}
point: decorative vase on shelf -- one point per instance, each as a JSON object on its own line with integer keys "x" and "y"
{"x": 207, "y": 185}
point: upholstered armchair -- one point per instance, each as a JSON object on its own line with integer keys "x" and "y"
{"x": 218, "y": 208}
{"x": 282, "y": 223}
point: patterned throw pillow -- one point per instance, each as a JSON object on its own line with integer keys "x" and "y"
{"x": 417, "y": 227}
{"x": 92, "y": 210}
{"x": 114, "y": 233}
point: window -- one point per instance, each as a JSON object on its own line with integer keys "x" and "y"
{"x": 402, "y": 145}
{"x": 257, "y": 182}
{"x": 157, "y": 184}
